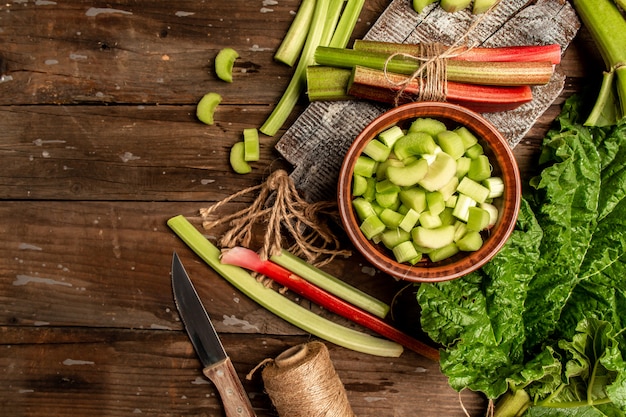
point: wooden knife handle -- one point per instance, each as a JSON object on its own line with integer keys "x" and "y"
{"x": 234, "y": 397}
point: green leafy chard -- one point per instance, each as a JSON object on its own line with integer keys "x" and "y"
{"x": 544, "y": 321}
{"x": 565, "y": 201}
{"x": 594, "y": 374}
{"x": 483, "y": 330}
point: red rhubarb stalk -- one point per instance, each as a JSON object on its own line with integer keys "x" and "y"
{"x": 375, "y": 85}
{"x": 518, "y": 53}
{"x": 248, "y": 259}
{"x": 522, "y": 53}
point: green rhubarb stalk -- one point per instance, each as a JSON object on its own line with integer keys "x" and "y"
{"x": 327, "y": 83}
{"x": 350, "y": 58}
{"x": 277, "y": 303}
{"x": 607, "y": 27}
{"x": 516, "y": 53}
{"x": 332, "y": 19}
{"x": 346, "y": 24}
{"x": 291, "y": 45}
{"x": 604, "y": 112}
{"x": 331, "y": 284}
{"x": 512, "y": 404}
{"x": 297, "y": 83}
{"x": 486, "y": 73}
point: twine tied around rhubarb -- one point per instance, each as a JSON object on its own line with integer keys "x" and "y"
{"x": 288, "y": 220}
{"x": 432, "y": 74}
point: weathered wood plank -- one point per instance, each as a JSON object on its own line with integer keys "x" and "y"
{"x": 116, "y": 372}
{"x": 125, "y": 152}
{"x": 107, "y": 264}
{"x": 507, "y": 24}
{"x": 65, "y": 371}
{"x": 139, "y": 51}
{"x": 68, "y": 269}
{"x": 111, "y": 269}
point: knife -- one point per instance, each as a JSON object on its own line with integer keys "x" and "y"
{"x": 217, "y": 365}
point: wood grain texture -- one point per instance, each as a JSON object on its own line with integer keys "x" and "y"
{"x": 124, "y": 152}
{"x": 100, "y": 146}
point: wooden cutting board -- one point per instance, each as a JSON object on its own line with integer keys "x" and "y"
{"x": 318, "y": 139}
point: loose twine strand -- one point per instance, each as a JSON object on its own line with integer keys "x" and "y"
{"x": 302, "y": 382}
{"x": 488, "y": 413}
{"x": 432, "y": 73}
{"x": 279, "y": 208}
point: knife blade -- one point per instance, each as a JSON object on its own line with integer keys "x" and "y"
{"x": 217, "y": 366}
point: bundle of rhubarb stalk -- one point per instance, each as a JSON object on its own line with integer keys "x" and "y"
{"x": 502, "y": 63}
{"x": 483, "y": 79}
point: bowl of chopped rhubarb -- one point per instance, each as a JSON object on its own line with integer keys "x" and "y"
{"x": 429, "y": 192}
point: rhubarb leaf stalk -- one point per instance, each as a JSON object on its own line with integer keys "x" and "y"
{"x": 293, "y": 42}
{"x": 247, "y": 258}
{"x": 346, "y": 24}
{"x": 330, "y": 283}
{"x": 375, "y": 85}
{"x": 333, "y": 14}
{"x": 516, "y": 53}
{"x": 607, "y": 27}
{"x": 279, "y": 304}
{"x": 297, "y": 83}
{"x": 327, "y": 83}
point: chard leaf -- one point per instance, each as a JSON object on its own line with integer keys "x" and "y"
{"x": 540, "y": 376}
{"x": 561, "y": 276}
{"x": 612, "y": 147}
{"x": 483, "y": 328}
{"x": 565, "y": 201}
{"x": 594, "y": 370}
{"x": 601, "y": 292}
{"x": 602, "y": 410}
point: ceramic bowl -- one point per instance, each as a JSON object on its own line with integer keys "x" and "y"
{"x": 503, "y": 164}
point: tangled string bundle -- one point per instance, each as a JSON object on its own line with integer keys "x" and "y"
{"x": 288, "y": 219}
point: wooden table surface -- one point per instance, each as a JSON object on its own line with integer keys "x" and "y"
{"x": 100, "y": 146}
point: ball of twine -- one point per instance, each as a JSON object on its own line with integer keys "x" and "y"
{"x": 302, "y": 382}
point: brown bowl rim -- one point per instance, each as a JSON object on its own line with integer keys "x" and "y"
{"x": 500, "y": 232}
